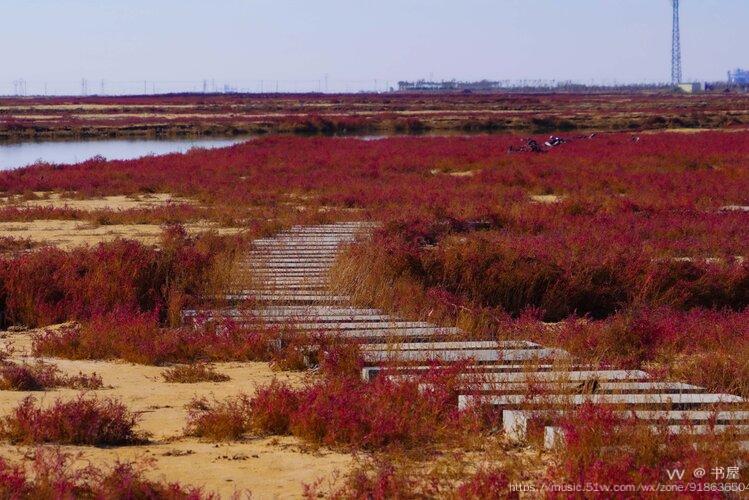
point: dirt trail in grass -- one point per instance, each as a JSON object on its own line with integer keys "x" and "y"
{"x": 270, "y": 468}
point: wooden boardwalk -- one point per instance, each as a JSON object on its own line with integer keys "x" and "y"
{"x": 286, "y": 284}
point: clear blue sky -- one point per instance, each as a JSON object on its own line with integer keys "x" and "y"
{"x": 356, "y": 42}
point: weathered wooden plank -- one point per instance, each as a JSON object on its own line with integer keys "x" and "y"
{"x": 288, "y": 311}
{"x": 560, "y": 375}
{"x": 299, "y": 245}
{"x": 370, "y": 372}
{"x": 266, "y": 262}
{"x": 284, "y": 265}
{"x": 362, "y": 325}
{"x": 290, "y": 251}
{"x": 287, "y": 287}
{"x": 281, "y": 293}
{"x": 662, "y": 400}
{"x": 289, "y": 298}
{"x": 292, "y": 281}
{"x": 478, "y": 356}
{"x": 515, "y": 423}
{"x": 289, "y": 273}
{"x": 289, "y": 256}
{"x": 296, "y": 319}
{"x": 255, "y": 284}
{"x": 554, "y": 436}
{"x": 602, "y": 387}
{"x": 455, "y": 345}
{"x": 386, "y": 335}
{"x": 313, "y": 310}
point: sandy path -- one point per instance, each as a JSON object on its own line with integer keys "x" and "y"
{"x": 69, "y": 234}
{"x": 269, "y": 467}
{"x": 116, "y": 202}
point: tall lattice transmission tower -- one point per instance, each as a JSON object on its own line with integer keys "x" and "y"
{"x": 676, "y": 47}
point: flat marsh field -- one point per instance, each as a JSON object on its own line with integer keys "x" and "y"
{"x": 624, "y": 240}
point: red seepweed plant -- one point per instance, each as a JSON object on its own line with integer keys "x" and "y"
{"x": 52, "y": 286}
{"x": 601, "y": 447}
{"x": 53, "y": 474}
{"x": 41, "y": 376}
{"x": 138, "y": 338}
{"x": 84, "y": 420}
{"x": 343, "y": 412}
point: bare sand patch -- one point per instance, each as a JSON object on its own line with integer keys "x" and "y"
{"x": 119, "y": 202}
{"x": 735, "y": 208}
{"x": 454, "y": 173}
{"x": 67, "y": 234}
{"x": 692, "y": 130}
{"x": 269, "y": 467}
{"x": 70, "y": 107}
{"x": 546, "y": 198}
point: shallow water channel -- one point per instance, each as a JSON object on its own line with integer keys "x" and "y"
{"x": 21, "y": 154}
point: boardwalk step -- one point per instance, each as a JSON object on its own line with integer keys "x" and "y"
{"x": 476, "y": 355}
{"x": 630, "y": 400}
{"x": 285, "y": 281}
{"x": 480, "y": 344}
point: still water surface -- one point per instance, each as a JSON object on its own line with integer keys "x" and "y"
{"x": 15, "y": 155}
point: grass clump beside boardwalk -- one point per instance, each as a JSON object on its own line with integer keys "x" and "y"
{"x": 341, "y": 412}
{"x": 84, "y": 420}
{"x": 52, "y": 286}
{"x": 605, "y": 448}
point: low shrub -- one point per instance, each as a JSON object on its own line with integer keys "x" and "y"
{"x": 53, "y": 475}
{"x": 383, "y": 479}
{"x": 219, "y": 420}
{"x": 271, "y": 409}
{"x": 342, "y": 412}
{"x": 605, "y": 448}
{"x": 509, "y": 271}
{"x": 190, "y": 374}
{"x": 84, "y": 420}
{"x": 41, "y": 376}
{"x": 52, "y": 286}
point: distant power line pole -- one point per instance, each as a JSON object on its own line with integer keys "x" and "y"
{"x": 675, "y": 46}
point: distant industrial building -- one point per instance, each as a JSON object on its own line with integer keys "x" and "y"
{"x": 449, "y": 86}
{"x": 692, "y": 88}
{"x": 738, "y": 77}
{"x": 488, "y": 86}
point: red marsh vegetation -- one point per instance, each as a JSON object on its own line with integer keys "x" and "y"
{"x": 625, "y": 248}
